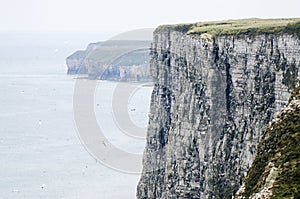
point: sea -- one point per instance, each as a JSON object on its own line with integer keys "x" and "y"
{"x": 42, "y": 153}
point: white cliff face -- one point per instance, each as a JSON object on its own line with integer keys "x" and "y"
{"x": 113, "y": 60}
{"x": 212, "y": 100}
{"x": 75, "y": 63}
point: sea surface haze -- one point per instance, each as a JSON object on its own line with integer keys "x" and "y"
{"x": 41, "y": 155}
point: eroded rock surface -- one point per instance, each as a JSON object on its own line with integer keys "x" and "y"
{"x": 212, "y": 100}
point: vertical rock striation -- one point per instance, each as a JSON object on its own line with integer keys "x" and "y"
{"x": 212, "y": 99}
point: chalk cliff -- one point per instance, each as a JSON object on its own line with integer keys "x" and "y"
{"x": 217, "y": 86}
{"x": 124, "y": 57}
{"x": 119, "y": 60}
{"x": 75, "y": 62}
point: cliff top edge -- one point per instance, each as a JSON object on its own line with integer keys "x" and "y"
{"x": 252, "y": 26}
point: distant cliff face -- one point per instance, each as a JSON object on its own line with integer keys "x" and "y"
{"x": 123, "y": 60}
{"x": 213, "y": 98}
{"x": 120, "y": 60}
{"x": 75, "y": 62}
{"x": 124, "y": 57}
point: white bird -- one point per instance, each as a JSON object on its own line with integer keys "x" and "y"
{"x": 43, "y": 186}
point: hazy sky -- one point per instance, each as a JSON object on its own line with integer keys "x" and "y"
{"x": 122, "y": 15}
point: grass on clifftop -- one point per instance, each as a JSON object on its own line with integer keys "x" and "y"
{"x": 112, "y": 49}
{"x": 238, "y": 27}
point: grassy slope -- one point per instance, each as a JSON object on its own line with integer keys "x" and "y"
{"x": 281, "y": 146}
{"x": 112, "y": 49}
{"x": 239, "y": 27}
{"x": 80, "y": 54}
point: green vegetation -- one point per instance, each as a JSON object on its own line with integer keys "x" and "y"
{"x": 177, "y": 27}
{"x": 80, "y": 54}
{"x": 136, "y": 57}
{"x": 280, "y": 147}
{"x": 240, "y": 27}
{"x": 112, "y": 49}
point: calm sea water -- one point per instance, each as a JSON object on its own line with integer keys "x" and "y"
{"x": 41, "y": 155}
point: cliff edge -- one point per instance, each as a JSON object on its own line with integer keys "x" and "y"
{"x": 217, "y": 86}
